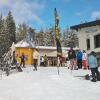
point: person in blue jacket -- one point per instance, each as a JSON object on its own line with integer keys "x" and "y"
{"x": 79, "y": 59}
{"x": 92, "y": 62}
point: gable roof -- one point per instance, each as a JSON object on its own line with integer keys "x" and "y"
{"x": 25, "y": 43}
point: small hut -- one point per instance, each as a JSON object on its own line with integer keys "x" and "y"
{"x": 25, "y": 46}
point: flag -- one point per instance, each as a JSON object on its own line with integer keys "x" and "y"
{"x": 58, "y": 44}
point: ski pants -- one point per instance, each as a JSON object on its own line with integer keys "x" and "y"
{"x": 35, "y": 64}
{"x": 95, "y": 72}
{"x": 79, "y": 63}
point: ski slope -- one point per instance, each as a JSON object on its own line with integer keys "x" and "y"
{"x": 46, "y": 84}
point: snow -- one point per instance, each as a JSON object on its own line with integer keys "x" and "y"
{"x": 25, "y": 43}
{"x": 46, "y": 84}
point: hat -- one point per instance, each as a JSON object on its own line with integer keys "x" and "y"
{"x": 93, "y": 53}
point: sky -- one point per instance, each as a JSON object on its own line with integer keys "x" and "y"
{"x": 40, "y": 13}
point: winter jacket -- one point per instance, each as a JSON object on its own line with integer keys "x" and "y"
{"x": 79, "y": 55}
{"x": 71, "y": 54}
{"x": 92, "y": 61}
{"x": 23, "y": 58}
{"x": 35, "y": 55}
{"x": 84, "y": 56}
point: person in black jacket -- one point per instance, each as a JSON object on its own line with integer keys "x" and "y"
{"x": 22, "y": 60}
{"x": 72, "y": 58}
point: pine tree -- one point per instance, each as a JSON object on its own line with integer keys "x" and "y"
{"x": 3, "y": 38}
{"x": 40, "y": 38}
{"x": 21, "y": 31}
{"x": 10, "y": 28}
{"x": 51, "y": 32}
{"x": 31, "y": 31}
{"x": 1, "y": 25}
{"x": 70, "y": 38}
{"x": 46, "y": 40}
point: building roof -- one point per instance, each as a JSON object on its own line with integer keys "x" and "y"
{"x": 46, "y": 47}
{"x": 25, "y": 43}
{"x": 87, "y": 24}
{"x": 54, "y": 48}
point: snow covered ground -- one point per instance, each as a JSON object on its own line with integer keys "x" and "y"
{"x": 46, "y": 84}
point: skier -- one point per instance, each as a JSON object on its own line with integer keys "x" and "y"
{"x": 22, "y": 60}
{"x": 92, "y": 62}
{"x": 79, "y": 59}
{"x": 84, "y": 60}
{"x": 72, "y": 58}
{"x": 35, "y": 59}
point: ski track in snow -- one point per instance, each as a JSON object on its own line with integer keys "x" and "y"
{"x": 46, "y": 84}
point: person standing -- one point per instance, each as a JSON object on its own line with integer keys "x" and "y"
{"x": 41, "y": 61}
{"x": 35, "y": 59}
{"x": 14, "y": 61}
{"x": 92, "y": 62}
{"x": 79, "y": 59}
{"x": 84, "y": 60}
{"x": 59, "y": 62}
{"x": 45, "y": 60}
{"x": 22, "y": 60}
{"x": 72, "y": 58}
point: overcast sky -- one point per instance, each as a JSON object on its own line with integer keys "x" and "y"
{"x": 40, "y": 13}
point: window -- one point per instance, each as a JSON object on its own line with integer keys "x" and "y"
{"x": 97, "y": 41}
{"x": 88, "y": 44}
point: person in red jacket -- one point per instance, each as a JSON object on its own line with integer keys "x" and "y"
{"x": 84, "y": 60}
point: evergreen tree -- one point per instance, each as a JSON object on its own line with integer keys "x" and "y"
{"x": 70, "y": 38}
{"x": 1, "y": 25}
{"x": 3, "y": 39}
{"x": 10, "y": 28}
{"x": 31, "y": 31}
{"x": 40, "y": 38}
{"x": 46, "y": 41}
{"x": 51, "y": 32}
{"x": 22, "y": 31}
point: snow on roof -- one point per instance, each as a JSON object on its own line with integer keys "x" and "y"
{"x": 54, "y": 48}
{"x": 46, "y": 47}
{"x": 25, "y": 43}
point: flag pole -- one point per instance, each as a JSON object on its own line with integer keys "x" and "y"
{"x": 57, "y": 35}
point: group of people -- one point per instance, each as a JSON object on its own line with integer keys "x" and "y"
{"x": 80, "y": 60}
{"x": 43, "y": 60}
